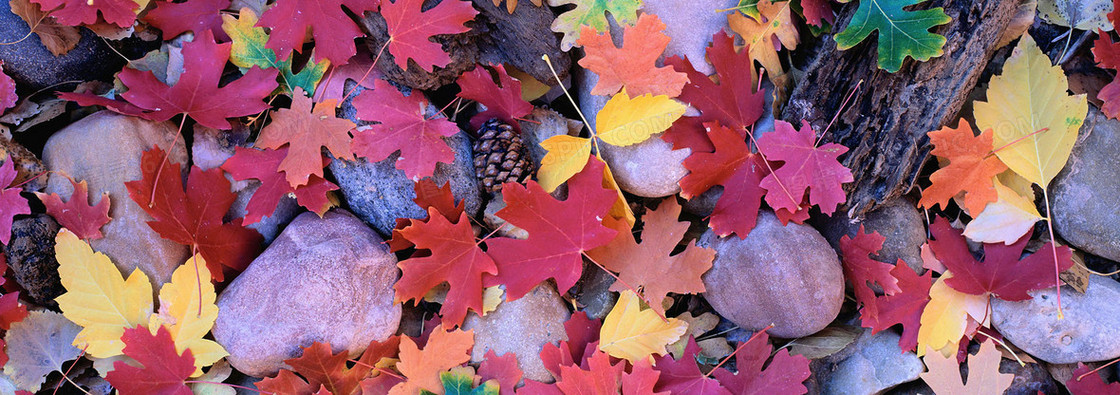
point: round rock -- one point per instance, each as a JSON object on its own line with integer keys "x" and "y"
{"x": 898, "y": 220}
{"x": 871, "y": 365}
{"x": 324, "y": 279}
{"x": 105, "y": 149}
{"x": 522, "y": 326}
{"x": 783, "y": 275}
{"x": 34, "y": 67}
{"x": 1087, "y": 333}
{"x": 1086, "y": 194}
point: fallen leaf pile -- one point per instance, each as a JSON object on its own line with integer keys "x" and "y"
{"x": 291, "y": 89}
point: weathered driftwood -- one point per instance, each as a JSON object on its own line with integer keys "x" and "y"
{"x": 885, "y": 124}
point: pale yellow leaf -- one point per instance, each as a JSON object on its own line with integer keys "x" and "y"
{"x": 1028, "y": 97}
{"x": 566, "y": 156}
{"x": 620, "y": 209}
{"x": 984, "y": 378}
{"x": 1004, "y": 221}
{"x": 187, "y": 310}
{"x": 491, "y": 298}
{"x": 631, "y": 333}
{"x": 945, "y": 318}
{"x": 97, "y": 298}
{"x": 1079, "y": 14}
{"x": 626, "y": 121}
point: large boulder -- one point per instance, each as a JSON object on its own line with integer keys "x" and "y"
{"x": 105, "y": 149}
{"x": 522, "y": 326}
{"x": 1087, "y": 333}
{"x": 782, "y": 275}
{"x": 1086, "y": 194}
{"x": 324, "y": 279}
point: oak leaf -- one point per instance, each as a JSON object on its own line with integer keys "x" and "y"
{"x": 559, "y": 232}
{"x": 902, "y": 32}
{"x": 502, "y": 102}
{"x": 192, "y": 214}
{"x": 444, "y": 350}
{"x": 455, "y": 258}
{"x": 971, "y": 168}
{"x": 738, "y": 170}
{"x": 634, "y": 66}
{"x": 591, "y": 13}
{"x": 405, "y": 126}
{"x": 264, "y": 165}
{"x": 808, "y": 169}
{"x": 410, "y": 29}
{"x": 631, "y": 333}
{"x": 98, "y": 299}
{"x": 189, "y": 16}
{"x": 648, "y": 265}
{"x": 11, "y": 203}
{"x": 77, "y": 214}
{"x": 984, "y": 377}
{"x": 187, "y": 311}
{"x": 163, "y": 370}
{"x": 333, "y": 31}
{"x": 305, "y": 130}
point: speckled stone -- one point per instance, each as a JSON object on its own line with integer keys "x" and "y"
{"x": 324, "y": 279}
{"x": 30, "y": 254}
{"x": 782, "y": 275}
{"x": 1086, "y": 194}
{"x": 523, "y": 327}
{"x": 1089, "y": 331}
{"x": 34, "y": 67}
{"x": 105, "y": 149}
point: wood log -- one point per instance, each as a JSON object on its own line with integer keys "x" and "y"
{"x": 886, "y": 121}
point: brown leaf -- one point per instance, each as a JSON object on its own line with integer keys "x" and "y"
{"x": 826, "y": 342}
{"x": 59, "y": 39}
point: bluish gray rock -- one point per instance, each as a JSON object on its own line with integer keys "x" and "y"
{"x": 1087, "y": 333}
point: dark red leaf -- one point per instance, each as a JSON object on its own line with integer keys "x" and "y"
{"x": 333, "y": 31}
{"x": 11, "y": 310}
{"x": 783, "y": 375}
{"x": 8, "y": 96}
{"x": 738, "y": 170}
{"x": 163, "y": 370}
{"x": 264, "y": 165}
{"x": 77, "y": 215}
{"x": 862, "y": 271}
{"x": 11, "y": 203}
{"x": 78, "y": 12}
{"x": 410, "y": 29}
{"x": 904, "y": 307}
{"x": 189, "y": 16}
{"x": 1091, "y": 384}
{"x": 503, "y": 102}
{"x": 582, "y": 332}
{"x": 683, "y": 376}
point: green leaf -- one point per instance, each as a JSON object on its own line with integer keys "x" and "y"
{"x": 901, "y": 33}
{"x": 460, "y": 381}
{"x": 249, "y": 50}
{"x": 592, "y": 13}
{"x": 749, "y": 8}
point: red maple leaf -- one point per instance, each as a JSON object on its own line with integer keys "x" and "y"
{"x": 783, "y": 375}
{"x": 737, "y": 169}
{"x": 683, "y": 376}
{"x": 428, "y": 195}
{"x": 559, "y": 231}
{"x": 455, "y": 258}
{"x": 8, "y": 96}
{"x": 264, "y": 165}
{"x": 334, "y": 32}
{"x": 903, "y": 307}
{"x": 410, "y": 29}
{"x": 634, "y": 66}
{"x": 816, "y": 11}
{"x": 641, "y": 379}
{"x": 78, "y": 12}
{"x": 582, "y": 333}
{"x": 504, "y": 369}
{"x": 1107, "y": 54}
{"x": 1001, "y": 273}
{"x": 322, "y": 369}
{"x": 863, "y": 271}
{"x": 11, "y": 310}
{"x": 503, "y": 102}
{"x": 305, "y": 130}
{"x": 194, "y": 218}
{"x": 11, "y": 203}
{"x": 77, "y": 215}
{"x": 359, "y": 68}
{"x": 733, "y": 102}
{"x": 189, "y": 16}
{"x": 599, "y": 377}
{"x": 403, "y": 126}
{"x": 197, "y": 93}
{"x": 163, "y": 371}
{"x": 807, "y": 169}
{"x": 1091, "y": 384}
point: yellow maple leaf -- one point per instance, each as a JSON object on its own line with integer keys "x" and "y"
{"x": 945, "y": 318}
{"x": 759, "y": 34}
{"x": 187, "y": 310}
{"x": 1028, "y": 97}
{"x": 631, "y": 333}
{"x": 622, "y": 121}
{"x": 944, "y": 375}
{"x": 97, "y": 298}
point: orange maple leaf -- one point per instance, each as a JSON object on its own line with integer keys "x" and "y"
{"x": 635, "y": 64}
{"x": 648, "y": 265}
{"x": 305, "y": 131}
{"x": 443, "y": 351}
{"x": 971, "y": 168}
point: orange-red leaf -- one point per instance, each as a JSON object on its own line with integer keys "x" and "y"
{"x": 306, "y": 131}
{"x": 77, "y": 215}
{"x": 971, "y": 168}
{"x": 322, "y": 369}
{"x": 634, "y": 66}
{"x": 444, "y": 350}
{"x": 410, "y": 29}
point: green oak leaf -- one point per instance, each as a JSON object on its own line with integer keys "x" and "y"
{"x": 901, "y": 33}
{"x": 749, "y": 8}
{"x": 591, "y": 13}
{"x": 249, "y": 50}
{"x": 460, "y": 381}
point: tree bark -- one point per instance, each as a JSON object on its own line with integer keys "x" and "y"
{"x": 886, "y": 121}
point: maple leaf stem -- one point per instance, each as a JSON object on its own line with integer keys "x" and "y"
{"x": 33, "y": 27}
{"x": 166, "y": 156}
{"x": 1097, "y": 369}
{"x": 1003, "y": 343}
{"x": 445, "y": 107}
{"x": 740, "y": 347}
{"x": 197, "y": 277}
{"x": 770, "y": 168}
{"x": 569, "y": 96}
{"x": 382, "y": 370}
{"x": 227, "y": 385}
{"x": 1054, "y": 252}
{"x": 66, "y": 375}
{"x": 628, "y": 286}
{"x": 1013, "y": 142}
{"x": 838, "y": 111}
{"x": 369, "y": 70}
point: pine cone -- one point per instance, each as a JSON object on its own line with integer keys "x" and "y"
{"x": 499, "y": 156}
